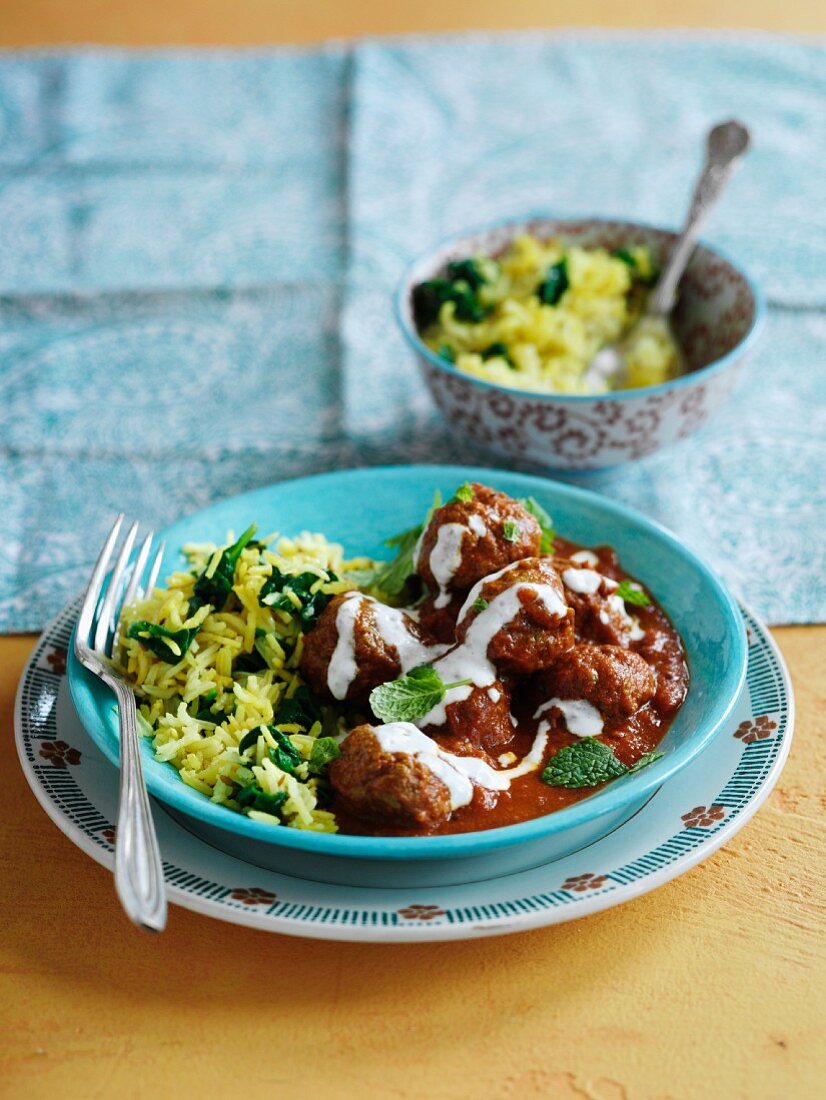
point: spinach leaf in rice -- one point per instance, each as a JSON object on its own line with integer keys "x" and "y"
{"x": 214, "y": 585}
{"x": 303, "y": 593}
{"x": 167, "y": 645}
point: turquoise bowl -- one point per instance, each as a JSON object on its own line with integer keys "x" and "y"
{"x": 360, "y": 508}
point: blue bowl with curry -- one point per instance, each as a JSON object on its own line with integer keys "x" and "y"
{"x": 513, "y": 677}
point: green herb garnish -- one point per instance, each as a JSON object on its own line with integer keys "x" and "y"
{"x": 249, "y": 740}
{"x": 512, "y": 531}
{"x": 465, "y": 278}
{"x": 649, "y": 276}
{"x": 546, "y": 524}
{"x": 497, "y": 350}
{"x": 429, "y": 297}
{"x": 285, "y": 756}
{"x": 253, "y": 798}
{"x": 587, "y": 763}
{"x": 555, "y": 283}
{"x": 167, "y": 645}
{"x": 275, "y": 593}
{"x": 300, "y": 710}
{"x": 464, "y": 492}
{"x": 479, "y": 605}
{"x": 215, "y": 589}
{"x": 411, "y": 696}
{"x": 626, "y": 591}
{"x": 470, "y": 271}
{"x": 643, "y": 762}
{"x": 323, "y": 751}
{"x": 205, "y": 713}
{"x": 391, "y": 577}
{"x": 249, "y": 662}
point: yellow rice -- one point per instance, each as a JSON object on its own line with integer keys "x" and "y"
{"x": 550, "y": 346}
{"x": 170, "y": 694}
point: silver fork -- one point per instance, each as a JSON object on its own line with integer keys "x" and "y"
{"x": 139, "y": 877}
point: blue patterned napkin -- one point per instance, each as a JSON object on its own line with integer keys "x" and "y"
{"x": 198, "y": 251}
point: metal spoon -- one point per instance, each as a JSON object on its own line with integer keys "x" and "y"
{"x": 726, "y": 145}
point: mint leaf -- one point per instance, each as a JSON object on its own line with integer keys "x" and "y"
{"x": 411, "y": 696}
{"x": 643, "y": 762}
{"x": 464, "y": 492}
{"x": 479, "y": 605}
{"x": 585, "y": 764}
{"x": 512, "y": 531}
{"x": 546, "y": 524}
{"x": 323, "y": 751}
{"x": 626, "y": 591}
{"x": 391, "y": 576}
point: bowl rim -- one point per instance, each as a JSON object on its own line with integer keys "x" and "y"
{"x": 412, "y": 337}
{"x": 628, "y": 791}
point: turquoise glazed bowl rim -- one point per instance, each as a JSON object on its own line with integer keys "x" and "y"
{"x": 425, "y": 259}
{"x": 95, "y": 705}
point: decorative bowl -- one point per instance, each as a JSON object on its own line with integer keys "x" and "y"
{"x": 360, "y": 508}
{"x": 716, "y": 321}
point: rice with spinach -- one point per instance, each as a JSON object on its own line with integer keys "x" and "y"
{"x": 214, "y": 657}
{"x": 534, "y": 317}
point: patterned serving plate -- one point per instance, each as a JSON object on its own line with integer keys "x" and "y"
{"x": 698, "y": 810}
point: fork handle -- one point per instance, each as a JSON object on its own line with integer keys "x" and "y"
{"x": 139, "y": 880}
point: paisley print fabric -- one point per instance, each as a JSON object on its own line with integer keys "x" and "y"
{"x": 199, "y": 249}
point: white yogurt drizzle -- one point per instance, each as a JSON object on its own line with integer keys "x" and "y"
{"x": 469, "y": 661}
{"x": 476, "y": 591}
{"x": 588, "y": 582}
{"x": 445, "y": 559}
{"x": 446, "y": 555}
{"x": 586, "y": 557}
{"x": 584, "y": 581}
{"x": 342, "y": 670}
{"x": 617, "y": 605}
{"x": 391, "y": 624}
{"x": 581, "y": 718}
{"x": 458, "y": 773}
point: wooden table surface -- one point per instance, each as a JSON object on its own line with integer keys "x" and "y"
{"x": 710, "y": 987}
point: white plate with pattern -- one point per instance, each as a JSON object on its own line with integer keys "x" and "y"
{"x": 703, "y": 806}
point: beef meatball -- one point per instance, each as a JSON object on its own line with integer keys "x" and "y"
{"x": 466, "y": 540}
{"x": 393, "y": 789}
{"x": 522, "y": 614}
{"x": 481, "y": 721}
{"x": 439, "y": 623}
{"x": 616, "y": 681}
{"x": 600, "y": 615}
{"x": 358, "y": 644}
{"x": 672, "y": 672}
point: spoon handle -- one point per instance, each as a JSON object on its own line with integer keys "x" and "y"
{"x": 727, "y": 143}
